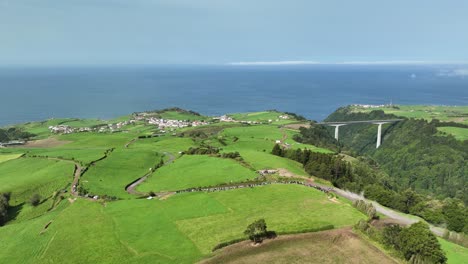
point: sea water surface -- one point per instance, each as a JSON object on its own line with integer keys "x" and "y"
{"x": 32, "y": 94}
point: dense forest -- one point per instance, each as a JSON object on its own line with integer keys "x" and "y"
{"x": 412, "y": 152}
{"x": 13, "y": 133}
{"x": 363, "y": 176}
{"x": 416, "y": 170}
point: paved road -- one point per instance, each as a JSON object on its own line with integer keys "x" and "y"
{"x": 360, "y": 122}
{"x": 387, "y": 211}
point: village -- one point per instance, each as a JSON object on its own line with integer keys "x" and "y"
{"x": 148, "y": 118}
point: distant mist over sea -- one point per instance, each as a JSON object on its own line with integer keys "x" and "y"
{"x": 32, "y": 94}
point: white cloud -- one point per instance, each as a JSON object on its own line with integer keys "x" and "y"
{"x": 396, "y": 62}
{"x": 453, "y": 73}
{"x": 273, "y": 63}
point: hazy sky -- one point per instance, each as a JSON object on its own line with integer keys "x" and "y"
{"x": 43, "y": 32}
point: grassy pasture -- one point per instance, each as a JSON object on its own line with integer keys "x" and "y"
{"x": 85, "y": 155}
{"x": 162, "y": 144}
{"x": 96, "y": 140}
{"x": 176, "y": 115}
{"x": 458, "y": 132}
{"x": 26, "y": 176}
{"x": 263, "y": 116}
{"x": 7, "y": 157}
{"x": 456, "y": 254}
{"x": 182, "y": 229}
{"x": 196, "y": 171}
{"x": 457, "y": 114}
{"x": 285, "y": 208}
{"x": 269, "y": 134}
{"x": 121, "y": 167}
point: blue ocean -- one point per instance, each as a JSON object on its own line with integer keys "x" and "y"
{"x": 314, "y": 91}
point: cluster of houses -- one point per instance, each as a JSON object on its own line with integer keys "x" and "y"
{"x": 225, "y": 118}
{"x": 168, "y": 123}
{"x": 61, "y": 129}
{"x": 371, "y": 106}
{"x": 65, "y": 129}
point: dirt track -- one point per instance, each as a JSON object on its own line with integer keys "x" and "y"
{"x": 131, "y": 188}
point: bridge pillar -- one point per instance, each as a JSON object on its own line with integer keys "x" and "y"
{"x": 337, "y": 127}
{"x": 379, "y": 134}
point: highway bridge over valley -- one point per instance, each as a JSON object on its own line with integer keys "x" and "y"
{"x": 337, "y": 126}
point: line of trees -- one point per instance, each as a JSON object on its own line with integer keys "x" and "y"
{"x": 416, "y": 243}
{"x": 4, "y": 205}
{"x": 366, "y": 208}
{"x": 14, "y": 133}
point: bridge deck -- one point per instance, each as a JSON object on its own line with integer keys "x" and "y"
{"x": 360, "y": 122}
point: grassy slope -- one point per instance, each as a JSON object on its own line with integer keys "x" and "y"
{"x": 444, "y": 113}
{"x": 7, "y": 157}
{"x": 121, "y": 167}
{"x": 182, "y": 229}
{"x": 455, "y": 254}
{"x": 173, "y": 230}
{"x": 167, "y": 144}
{"x": 458, "y": 132}
{"x": 337, "y": 246}
{"x": 175, "y": 115}
{"x": 264, "y": 116}
{"x": 84, "y": 155}
{"x": 285, "y": 208}
{"x": 26, "y": 176}
{"x": 196, "y": 171}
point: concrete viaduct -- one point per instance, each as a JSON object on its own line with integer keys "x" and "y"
{"x": 374, "y": 122}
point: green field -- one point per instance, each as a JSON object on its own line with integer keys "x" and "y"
{"x": 177, "y": 115}
{"x": 457, "y": 114}
{"x": 177, "y": 228}
{"x": 7, "y": 157}
{"x": 264, "y": 117}
{"x": 456, "y": 254}
{"x": 84, "y": 155}
{"x": 196, "y": 171}
{"x": 26, "y": 176}
{"x": 458, "y": 132}
{"x": 121, "y": 167}
{"x": 182, "y": 229}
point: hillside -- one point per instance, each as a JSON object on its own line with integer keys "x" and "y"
{"x": 196, "y": 183}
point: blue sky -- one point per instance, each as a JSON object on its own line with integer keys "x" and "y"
{"x": 74, "y": 32}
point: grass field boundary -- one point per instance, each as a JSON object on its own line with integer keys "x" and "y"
{"x": 303, "y": 231}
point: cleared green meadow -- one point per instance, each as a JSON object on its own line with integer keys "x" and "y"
{"x": 169, "y": 144}
{"x": 121, "y": 167}
{"x": 96, "y": 140}
{"x": 457, "y": 114}
{"x": 456, "y": 254}
{"x": 26, "y": 176}
{"x": 196, "y": 171}
{"x": 84, "y": 155}
{"x": 458, "y": 132}
{"x": 7, "y": 157}
{"x": 264, "y": 116}
{"x": 176, "y": 115}
{"x": 182, "y": 229}
{"x": 269, "y": 134}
